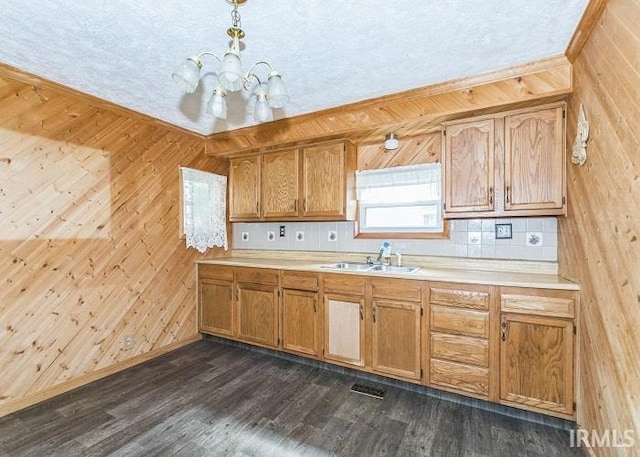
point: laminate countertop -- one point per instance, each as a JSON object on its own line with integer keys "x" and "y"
{"x": 426, "y": 272}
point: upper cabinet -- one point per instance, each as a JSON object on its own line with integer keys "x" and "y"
{"x": 511, "y": 164}
{"x": 244, "y": 195}
{"x": 310, "y": 183}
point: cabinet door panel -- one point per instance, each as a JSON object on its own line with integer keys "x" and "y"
{"x": 469, "y": 166}
{"x": 324, "y": 180}
{"x": 536, "y": 362}
{"x": 216, "y": 307}
{"x": 244, "y": 188}
{"x": 534, "y": 160}
{"x": 344, "y": 329}
{"x": 258, "y": 314}
{"x": 280, "y": 184}
{"x": 396, "y": 338}
{"x": 299, "y": 321}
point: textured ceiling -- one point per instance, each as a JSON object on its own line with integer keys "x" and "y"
{"x": 330, "y": 52}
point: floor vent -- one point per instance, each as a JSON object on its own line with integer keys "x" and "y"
{"x": 368, "y": 390}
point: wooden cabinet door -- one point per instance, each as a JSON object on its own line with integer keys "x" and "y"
{"x": 258, "y": 314}
{"x": 396, "y": 338}
{"x": 280, "y": 184}
{"x": 300, "y": 321}
{"x": 244, "y": 189}
{"x": 216, "y": 307}
{"x": 534, "y": 160}
{"x": 469, "y": 166}
{"x": 344, "y": 329}
{"x": 536, "y": 362}
{"x": 323, "y": 190}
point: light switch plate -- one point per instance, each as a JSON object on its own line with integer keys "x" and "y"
{"x": 503, "y": 231}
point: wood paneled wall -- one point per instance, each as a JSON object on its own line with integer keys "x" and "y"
{"x": 599, "y": 239}
{"x": 420, "y": 149}
{"x": 89, "y": 243}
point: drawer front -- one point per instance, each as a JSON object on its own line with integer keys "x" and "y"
{"x": 343, "y": 284}
{"x": 257, "y": 276}
{"x": 540, "y": 305}
{"x": 299, "y": 280}
{"x": 463, "y": 349}
{"x": 459, "y": 298}
{"x": 397, "y": 289}
{"x": 459, "y": 376}
{"x": 460, "y": 321}
{"x": 215, "y": 272}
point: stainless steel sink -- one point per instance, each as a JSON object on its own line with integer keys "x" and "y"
{"x": 349, "y": 266}
{"x": 394, "y": 269}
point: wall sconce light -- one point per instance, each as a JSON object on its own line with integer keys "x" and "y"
{"x": 391, "y": 142}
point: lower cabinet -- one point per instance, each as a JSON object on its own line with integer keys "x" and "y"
{"x": 215, "y": 295}
{"x": 257, "y": 308}
{"x": 344, "y": 329}
{"x": 460, "y": 339}
{"x": 537, "y": 350}
{"x": 396, "y": 314}
{"x": 510, "y": 345}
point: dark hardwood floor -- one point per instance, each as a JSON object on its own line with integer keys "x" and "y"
{"x": 211, "y": 399}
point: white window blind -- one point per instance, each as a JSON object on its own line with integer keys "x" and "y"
{"x": 400, "y": 199}
{"x": 204, "y": 197}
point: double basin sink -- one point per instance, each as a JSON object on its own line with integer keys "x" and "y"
{"x": 357, "y": 266}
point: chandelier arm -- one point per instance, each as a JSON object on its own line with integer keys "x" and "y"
{"x": 248, "y": 77}
{"x": 262, "y": 62}
{"x": 206, "y": 53}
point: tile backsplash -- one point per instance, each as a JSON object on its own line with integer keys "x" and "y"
{"x": 533, "y": 238}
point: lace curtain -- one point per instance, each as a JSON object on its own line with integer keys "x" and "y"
{"x": 204, "y": 197}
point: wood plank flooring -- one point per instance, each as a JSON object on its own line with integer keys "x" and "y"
{"x": 211, "y": 399}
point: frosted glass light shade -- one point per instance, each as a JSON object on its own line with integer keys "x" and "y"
{"x": 217, "y": 105}
{"x": 278, "y": 94}
{"x": 187, "y": 76}
{"x": 391, "y": 142}
{"x": 262, "y": 111}
{"x": 230, "y": 75}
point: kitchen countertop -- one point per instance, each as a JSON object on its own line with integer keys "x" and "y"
{"x": 426, "y": 273}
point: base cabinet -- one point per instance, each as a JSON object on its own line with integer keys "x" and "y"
{"x": 510, "y": 345}
{"x": 215, "y": 298}
{"x": 537, "y": 350}
{"x": 344, "y": 329}
{"x": 300, "y": 322}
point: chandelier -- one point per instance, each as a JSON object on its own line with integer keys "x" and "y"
{"x": 269, "y": 93}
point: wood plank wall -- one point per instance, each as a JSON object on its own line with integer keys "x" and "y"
{"x": 89, "y": 243}
{"x": 419, "y": 149}
{"x": 599, "y": 239}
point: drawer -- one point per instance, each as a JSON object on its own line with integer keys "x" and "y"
{"x": 540, "y": 302}
{"x": 460, "y": 298}
{"x": 215, "y": 272}
{"x": 463, "y": 349}
{"x": 264, "y": 276}
{"x": 459, "y": 376}
{"x": 299, "y": 280}
{"x": 460, "y": 321}
{"x": 343, "y": 284}
{"x": 397, "y": 289}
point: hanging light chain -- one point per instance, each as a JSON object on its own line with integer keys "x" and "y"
{"x": 235, "y": 16}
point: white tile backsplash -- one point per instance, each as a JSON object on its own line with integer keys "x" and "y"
{"x": 468, "y": 238}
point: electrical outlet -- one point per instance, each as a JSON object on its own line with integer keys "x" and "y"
{"x": 281, "y": 231}
{"x": 128, "y": 342}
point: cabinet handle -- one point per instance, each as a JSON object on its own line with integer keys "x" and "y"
{"x": 374, "y": 314}
{"x": 506, "y": 194}
{"x": 504, "y": 330}
{"x": 491, "y": 195}
{"x": 314, "y": 306}
{"x": 295, "y": 206}
{"x": 304, "y": 205}
{"x": 258, "y": 207}
{"x": 361, "y": 313}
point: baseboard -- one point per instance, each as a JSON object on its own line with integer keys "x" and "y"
{"x": 58, "y": 389}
